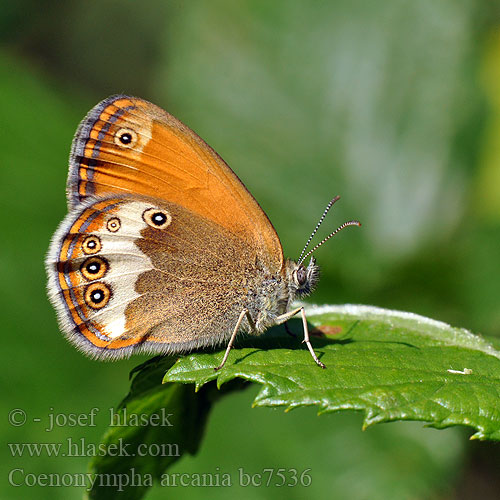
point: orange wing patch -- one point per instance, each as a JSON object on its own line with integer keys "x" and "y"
{"x": 128, "y": 145}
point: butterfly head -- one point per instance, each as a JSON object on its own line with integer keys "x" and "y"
{"x": 303, "y": 279}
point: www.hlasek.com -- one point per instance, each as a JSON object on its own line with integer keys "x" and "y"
{"x": 268, "y": 477}
{"x": 81, "y": 448}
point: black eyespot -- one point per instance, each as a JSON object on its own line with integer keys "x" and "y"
{"x": 113, "y": 224}
{"x": 91, "y": 244}
{"x": 157, "y": 217}
{"x": 97, "y": 295}
{"x": 125, "y": 138}
{"x": 94, "y": 268}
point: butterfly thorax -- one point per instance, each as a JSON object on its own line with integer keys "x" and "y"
{"x": 277, "y": 292}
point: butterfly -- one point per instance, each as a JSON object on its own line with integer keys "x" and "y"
{"x": 163, "y": 249}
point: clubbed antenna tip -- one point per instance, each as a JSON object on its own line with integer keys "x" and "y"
{"x": 333, "y": 233}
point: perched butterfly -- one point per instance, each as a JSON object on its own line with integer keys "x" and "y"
{"x": 163, "y": 249}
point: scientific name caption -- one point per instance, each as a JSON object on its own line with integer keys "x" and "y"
{"x": 267, "y": 477}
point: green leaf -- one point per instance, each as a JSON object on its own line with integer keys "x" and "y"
{"x": 155, "y": 425}
{"x": 390, "y": 365}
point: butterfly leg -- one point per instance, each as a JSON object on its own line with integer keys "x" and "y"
{"x": 235, "y": 332}
{"x": 287, "y": 316}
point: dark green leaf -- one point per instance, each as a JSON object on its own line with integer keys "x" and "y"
{"x": 156, "y": 424}
{"x": 388, "y": 364}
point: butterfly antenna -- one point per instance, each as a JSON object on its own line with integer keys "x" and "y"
{"x": 330, "y": 204}
{"x": 345, "y": 224}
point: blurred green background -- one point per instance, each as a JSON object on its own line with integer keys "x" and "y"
{"x": 392, "y": 104}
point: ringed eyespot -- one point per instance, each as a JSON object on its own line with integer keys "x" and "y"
{"x": 91, "y": 244}
{"x": 94, "y": 268}
{"x": 125, "y": 138}
{"x": 157, "y": 218}
{"x": 97, "y": 295}
{"x": 113, "y": 224}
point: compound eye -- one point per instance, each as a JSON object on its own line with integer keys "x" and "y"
{"x": 300, "y": 276}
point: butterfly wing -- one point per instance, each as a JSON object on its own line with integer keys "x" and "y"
{"x": 128, "y": 145}
{"x": 136, "y": 273}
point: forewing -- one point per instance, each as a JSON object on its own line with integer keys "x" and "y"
{"x": 128, "y": 145}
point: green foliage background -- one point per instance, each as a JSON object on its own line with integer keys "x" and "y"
{"x": 394, "y": 105}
